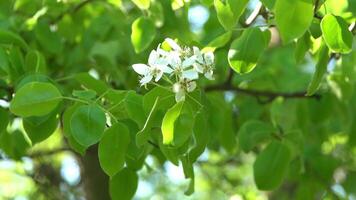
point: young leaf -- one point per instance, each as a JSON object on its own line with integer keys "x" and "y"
{"x": 168, "y": 122}
{"x": 320, "y": 69}
{"x": 246, "y": 50}
{"x": 224, "y": 14}
{"x": 336, "y": 33}
{"x": 254, "y": 132}
{"x": 112, "y": 148}
{"x": 218, "y": 42}
{"x": 35, "y": 99}
{"x": 142, "y": 4}
{"x": 293, "y": 18}
{"x": 123, "y": 185}
{"x": 274, "y": 158}
{"x": 143, "y": 33}
{"x": 87, "y": 124}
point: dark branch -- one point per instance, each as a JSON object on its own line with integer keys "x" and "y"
{"x": 258, "y": 93}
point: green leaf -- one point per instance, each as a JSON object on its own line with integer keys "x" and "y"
{"x": 269, "y": 3}
{"x": 35, "y": 62}
{"x": 168, "y": 122}
{"x": 320, "y": 69}
{"x": 218, "y": 42}
{"x": 143, "y": 135}
{"x": 143, "y": 33}
{"x": 90, "y": 82}
{"x": 166, "y": 99}
{"x": 201, "y": 136}
{"x": 84, "y": 94}
{"x": 4, "y": 118}
{"x": 87, "y": 124}
{"x": 35, "y": 99}
{"x": 188, "y": 173}
{"x": 49, "y": 40}
{"x": 336, "y": 33}
{"x": 10, "y": 38}
{"x": 123, "y": 185}
{"x": 293, "y": 18}
{"x": 224, "y": 14}
{"x": 134, "y": 107}
{"x": 142, "y": 4}
{"x": 246, "y": 50}
{"x": 253, "y": 133}
{"x": 303, "y": 45}
{"x": 237, "y": 7}
{"x": 274, "y": 158}
{"x": 113, "y": 147}
{"x": 40, "y": 128}
{"x": 16, "y": 59}
{"x": 20, "y": 144}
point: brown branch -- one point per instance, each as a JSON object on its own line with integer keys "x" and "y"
{"x": 258, "y": 93}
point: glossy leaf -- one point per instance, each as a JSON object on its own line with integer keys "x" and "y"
{"x": 87, "y": 124}
{"x": 224, "y": 14}
{"x": 143, "y": 32}
{"x": 142, "y": 4}
{"x": 113, "y": 147}
{"x": 35, "y": 99}
{"x": 246, "y": 50}
{"x": 168, "y": 122}
{"x": 336, "y": 34}
{"x": 299, "y": 12}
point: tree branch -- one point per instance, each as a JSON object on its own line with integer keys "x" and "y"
{"x": 258, "y": 93}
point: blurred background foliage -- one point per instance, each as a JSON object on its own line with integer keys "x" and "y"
{"x": 94, "y": 36}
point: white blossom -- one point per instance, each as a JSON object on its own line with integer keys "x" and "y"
{"x": 155, "y": 68}
{"x": 182, "y": 64}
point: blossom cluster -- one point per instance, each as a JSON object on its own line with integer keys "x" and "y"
{"x": 180, "y": 64}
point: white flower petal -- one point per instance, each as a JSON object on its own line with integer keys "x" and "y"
{"x": 198, "y": 67}
{"x": 209, "y": 58}
{"x": 152, "y": 59}
{"x": 209, "y": 75}
{"x": 141, "y": 69}
{"x": 159, "y": 75}
{"x": 188, "y": 62}
{"x": 198, "y": 54}
{"x": 146, "y": 79}
{"x": 191, "y": 86}
{"x": 176, "y": 87}
{"x": 190, "y": 74}
{"x": 173, "y": 44}
{"x": 180, "y": 96}
{"x": 165, "y": 69}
